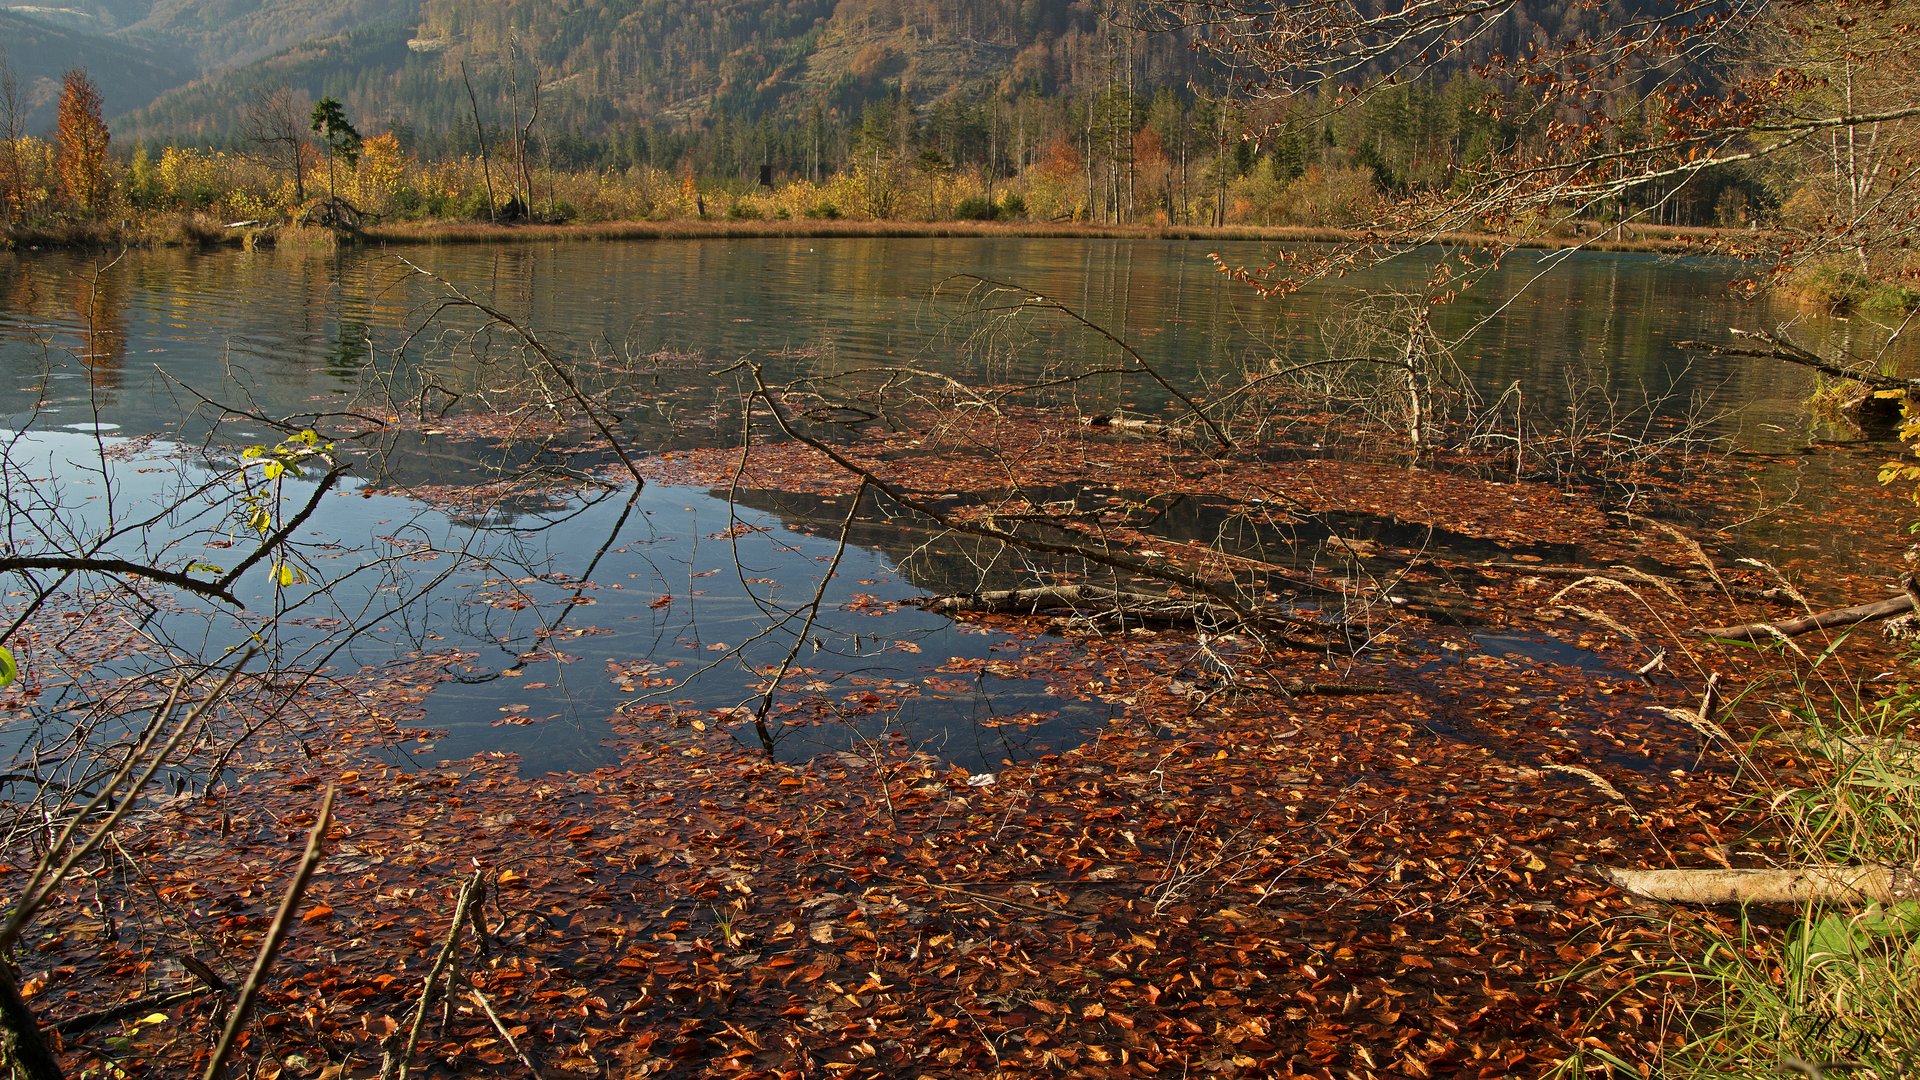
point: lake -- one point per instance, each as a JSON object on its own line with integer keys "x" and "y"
{"x": 551, "y": 608}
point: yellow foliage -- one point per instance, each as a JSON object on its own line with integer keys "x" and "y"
{"x": 382, "y": 166}
{"x": 1905, "y": 471}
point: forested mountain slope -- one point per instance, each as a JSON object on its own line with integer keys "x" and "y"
{"x": 183, "y": 69}
{"x": 39, "y": 49}
{"x": 608, "y": 63}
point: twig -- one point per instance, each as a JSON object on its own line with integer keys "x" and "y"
{"x": 118, "y": 568}
{"x": 1034, "y": 300}
{"x": 48, "y": 878}
{"x": 547, "y": 356}
{"x": 137, "y": 1007}
{"x": 276, "y": 934}
{"x": 461, "y": 907}
{"x": 813, "y": 615}
{"x": 287, "y": 529}
{"x": 504, "y": 1033}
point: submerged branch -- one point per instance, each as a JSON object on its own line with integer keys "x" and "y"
{"x": 1124, "y": 604}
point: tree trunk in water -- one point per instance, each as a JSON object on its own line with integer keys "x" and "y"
{"x": 25, "y": 1047}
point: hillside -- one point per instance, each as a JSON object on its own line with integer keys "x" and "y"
{"x": 224, "y": 34}
{"x": 184, "y": 69}
{"x": 605, "y": 64}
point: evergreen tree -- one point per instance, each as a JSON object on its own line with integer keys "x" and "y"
{"x": 341, "y": 139}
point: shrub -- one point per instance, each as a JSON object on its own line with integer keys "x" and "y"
{"x": 975, "y": 208}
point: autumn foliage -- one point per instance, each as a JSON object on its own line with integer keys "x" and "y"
{"x": 80, "y": 144}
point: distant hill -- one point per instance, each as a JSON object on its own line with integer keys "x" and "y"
{"x": 39, "y": 48}
{"x": 225, "y": 34}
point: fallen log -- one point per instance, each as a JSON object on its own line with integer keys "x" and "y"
{"x": 1803, "y": 885}
{"x": 1806, "y": 624}
{"x": 1116, "y": 422}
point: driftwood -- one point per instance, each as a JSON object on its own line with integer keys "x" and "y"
{"x": 1116, "y": 422}
{"x": 1806, "y": 624}
{"x": 1805, "y": 885}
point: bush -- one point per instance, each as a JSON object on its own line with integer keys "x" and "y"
{"x": 975, "y": 208}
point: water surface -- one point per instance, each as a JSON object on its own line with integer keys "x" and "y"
{"x": 588, "y": 601}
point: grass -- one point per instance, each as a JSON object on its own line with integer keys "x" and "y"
{"x": 1836, "y": 992}
{"x": 1842, "y": 289}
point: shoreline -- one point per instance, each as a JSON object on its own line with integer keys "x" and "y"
{"x": 1673, "y": 241}
{"x": 1666, "y": 241}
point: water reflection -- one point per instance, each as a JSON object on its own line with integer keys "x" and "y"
{"x": 303, "y": 327}
{"x": 620, "y": 596}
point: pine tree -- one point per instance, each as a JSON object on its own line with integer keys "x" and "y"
{"x": 342, "y": 140}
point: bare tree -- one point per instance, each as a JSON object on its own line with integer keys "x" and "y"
{"x": 12, "y": 123}
{"x": 480, "y": 129}
{"x": 275, "y": 129}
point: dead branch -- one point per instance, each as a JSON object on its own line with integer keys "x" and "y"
{"x": 462, "y": 912}
{"x": 1129, "y": 425}
{"x": 1774, "y": 347}
{"x": 276, "y": 934}
{"x": 1117, "y": 560}
{"x": 139, "y": 1006}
